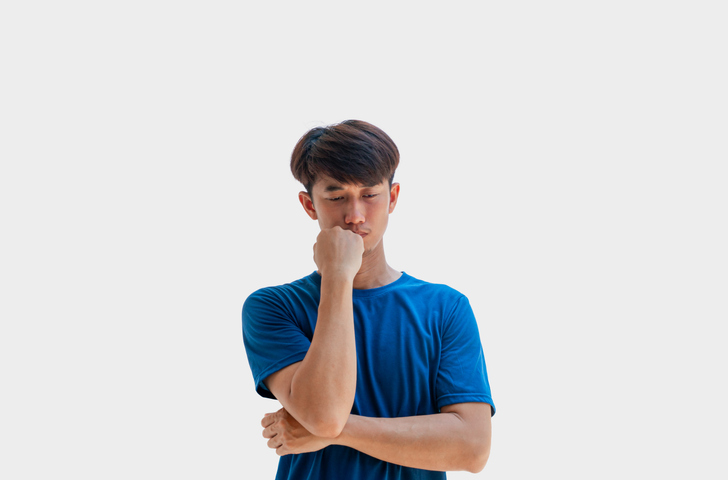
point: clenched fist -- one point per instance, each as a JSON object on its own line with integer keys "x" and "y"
{"x": 338, "y": 252}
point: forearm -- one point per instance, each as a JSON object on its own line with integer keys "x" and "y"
{"x": 442, "y": 442}
{"x": 323, "y": 387}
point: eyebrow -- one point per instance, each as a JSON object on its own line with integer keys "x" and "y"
{"x": 337, "y": 188}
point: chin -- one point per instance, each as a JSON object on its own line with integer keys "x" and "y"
{"x": 370, "y": 247}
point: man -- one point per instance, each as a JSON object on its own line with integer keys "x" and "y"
{"x": 380, "y": 375}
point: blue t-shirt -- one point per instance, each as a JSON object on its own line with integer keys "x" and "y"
{"x": 417, "y": 347}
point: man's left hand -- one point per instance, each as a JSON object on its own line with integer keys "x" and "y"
{"x": 287, "y": 436}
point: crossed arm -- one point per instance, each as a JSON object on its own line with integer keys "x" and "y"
{"x": 458, "y": 438}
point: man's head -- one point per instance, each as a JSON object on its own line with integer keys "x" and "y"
{"x": 348, "y": 170}
{"x": 353, "y": 152}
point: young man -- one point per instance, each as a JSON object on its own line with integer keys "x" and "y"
{"x": 380, "y": 375}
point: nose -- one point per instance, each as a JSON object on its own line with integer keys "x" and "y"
{"x": 354, "y": 214}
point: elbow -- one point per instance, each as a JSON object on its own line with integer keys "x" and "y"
{"x": 477, "y": 464}
{"x": 321, "y": 420}
{"x": 478, "y": 457}
{"x": 327, "y": 427}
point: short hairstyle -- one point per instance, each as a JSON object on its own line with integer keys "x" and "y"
{"x": 352, "y": 151}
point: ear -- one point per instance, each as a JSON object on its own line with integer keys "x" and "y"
{"x": 393, "y": 196}
{"x": 307, "y": 203}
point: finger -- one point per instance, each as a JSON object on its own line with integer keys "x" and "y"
{"x": 274, "y": 443}
{"x": 269, "y": 433}
{"x": 268, "y": 419}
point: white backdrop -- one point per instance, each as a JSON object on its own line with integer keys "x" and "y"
{"x": 563, "y": 164}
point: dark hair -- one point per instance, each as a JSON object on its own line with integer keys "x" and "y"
{"x": 352, "y": 151}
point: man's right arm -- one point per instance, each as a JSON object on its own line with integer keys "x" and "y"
{"x": 319, "y": 390}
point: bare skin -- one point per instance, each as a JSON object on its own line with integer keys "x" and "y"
{"x": 317, "y": 393}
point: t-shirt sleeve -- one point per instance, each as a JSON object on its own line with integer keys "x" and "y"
{"x": 272, "y": 337}
{"x": 462, "y": 376}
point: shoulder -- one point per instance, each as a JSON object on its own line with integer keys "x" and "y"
{"x": 297, "y": 287}
{"x": 439, "y": 299}
{"x": 436, "y": 291}
{"x": 280, "y": 296}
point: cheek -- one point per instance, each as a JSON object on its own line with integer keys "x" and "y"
{"x": 326, "y": 216}
{"x": 380, "y": 216}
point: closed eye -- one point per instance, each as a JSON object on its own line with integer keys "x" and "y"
{"x": 336, "y": 199}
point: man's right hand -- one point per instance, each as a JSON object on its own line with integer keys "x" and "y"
{"x": 338, "y": 252}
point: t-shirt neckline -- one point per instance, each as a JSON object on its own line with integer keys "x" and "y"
{"x": 369, "y": 292}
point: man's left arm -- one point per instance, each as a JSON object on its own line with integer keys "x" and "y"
{"x": 458, "y": 438}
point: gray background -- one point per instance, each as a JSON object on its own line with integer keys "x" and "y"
{"x": 563, "y": 165}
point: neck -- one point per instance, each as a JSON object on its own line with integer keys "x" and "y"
{"x": 374, "y": 271}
